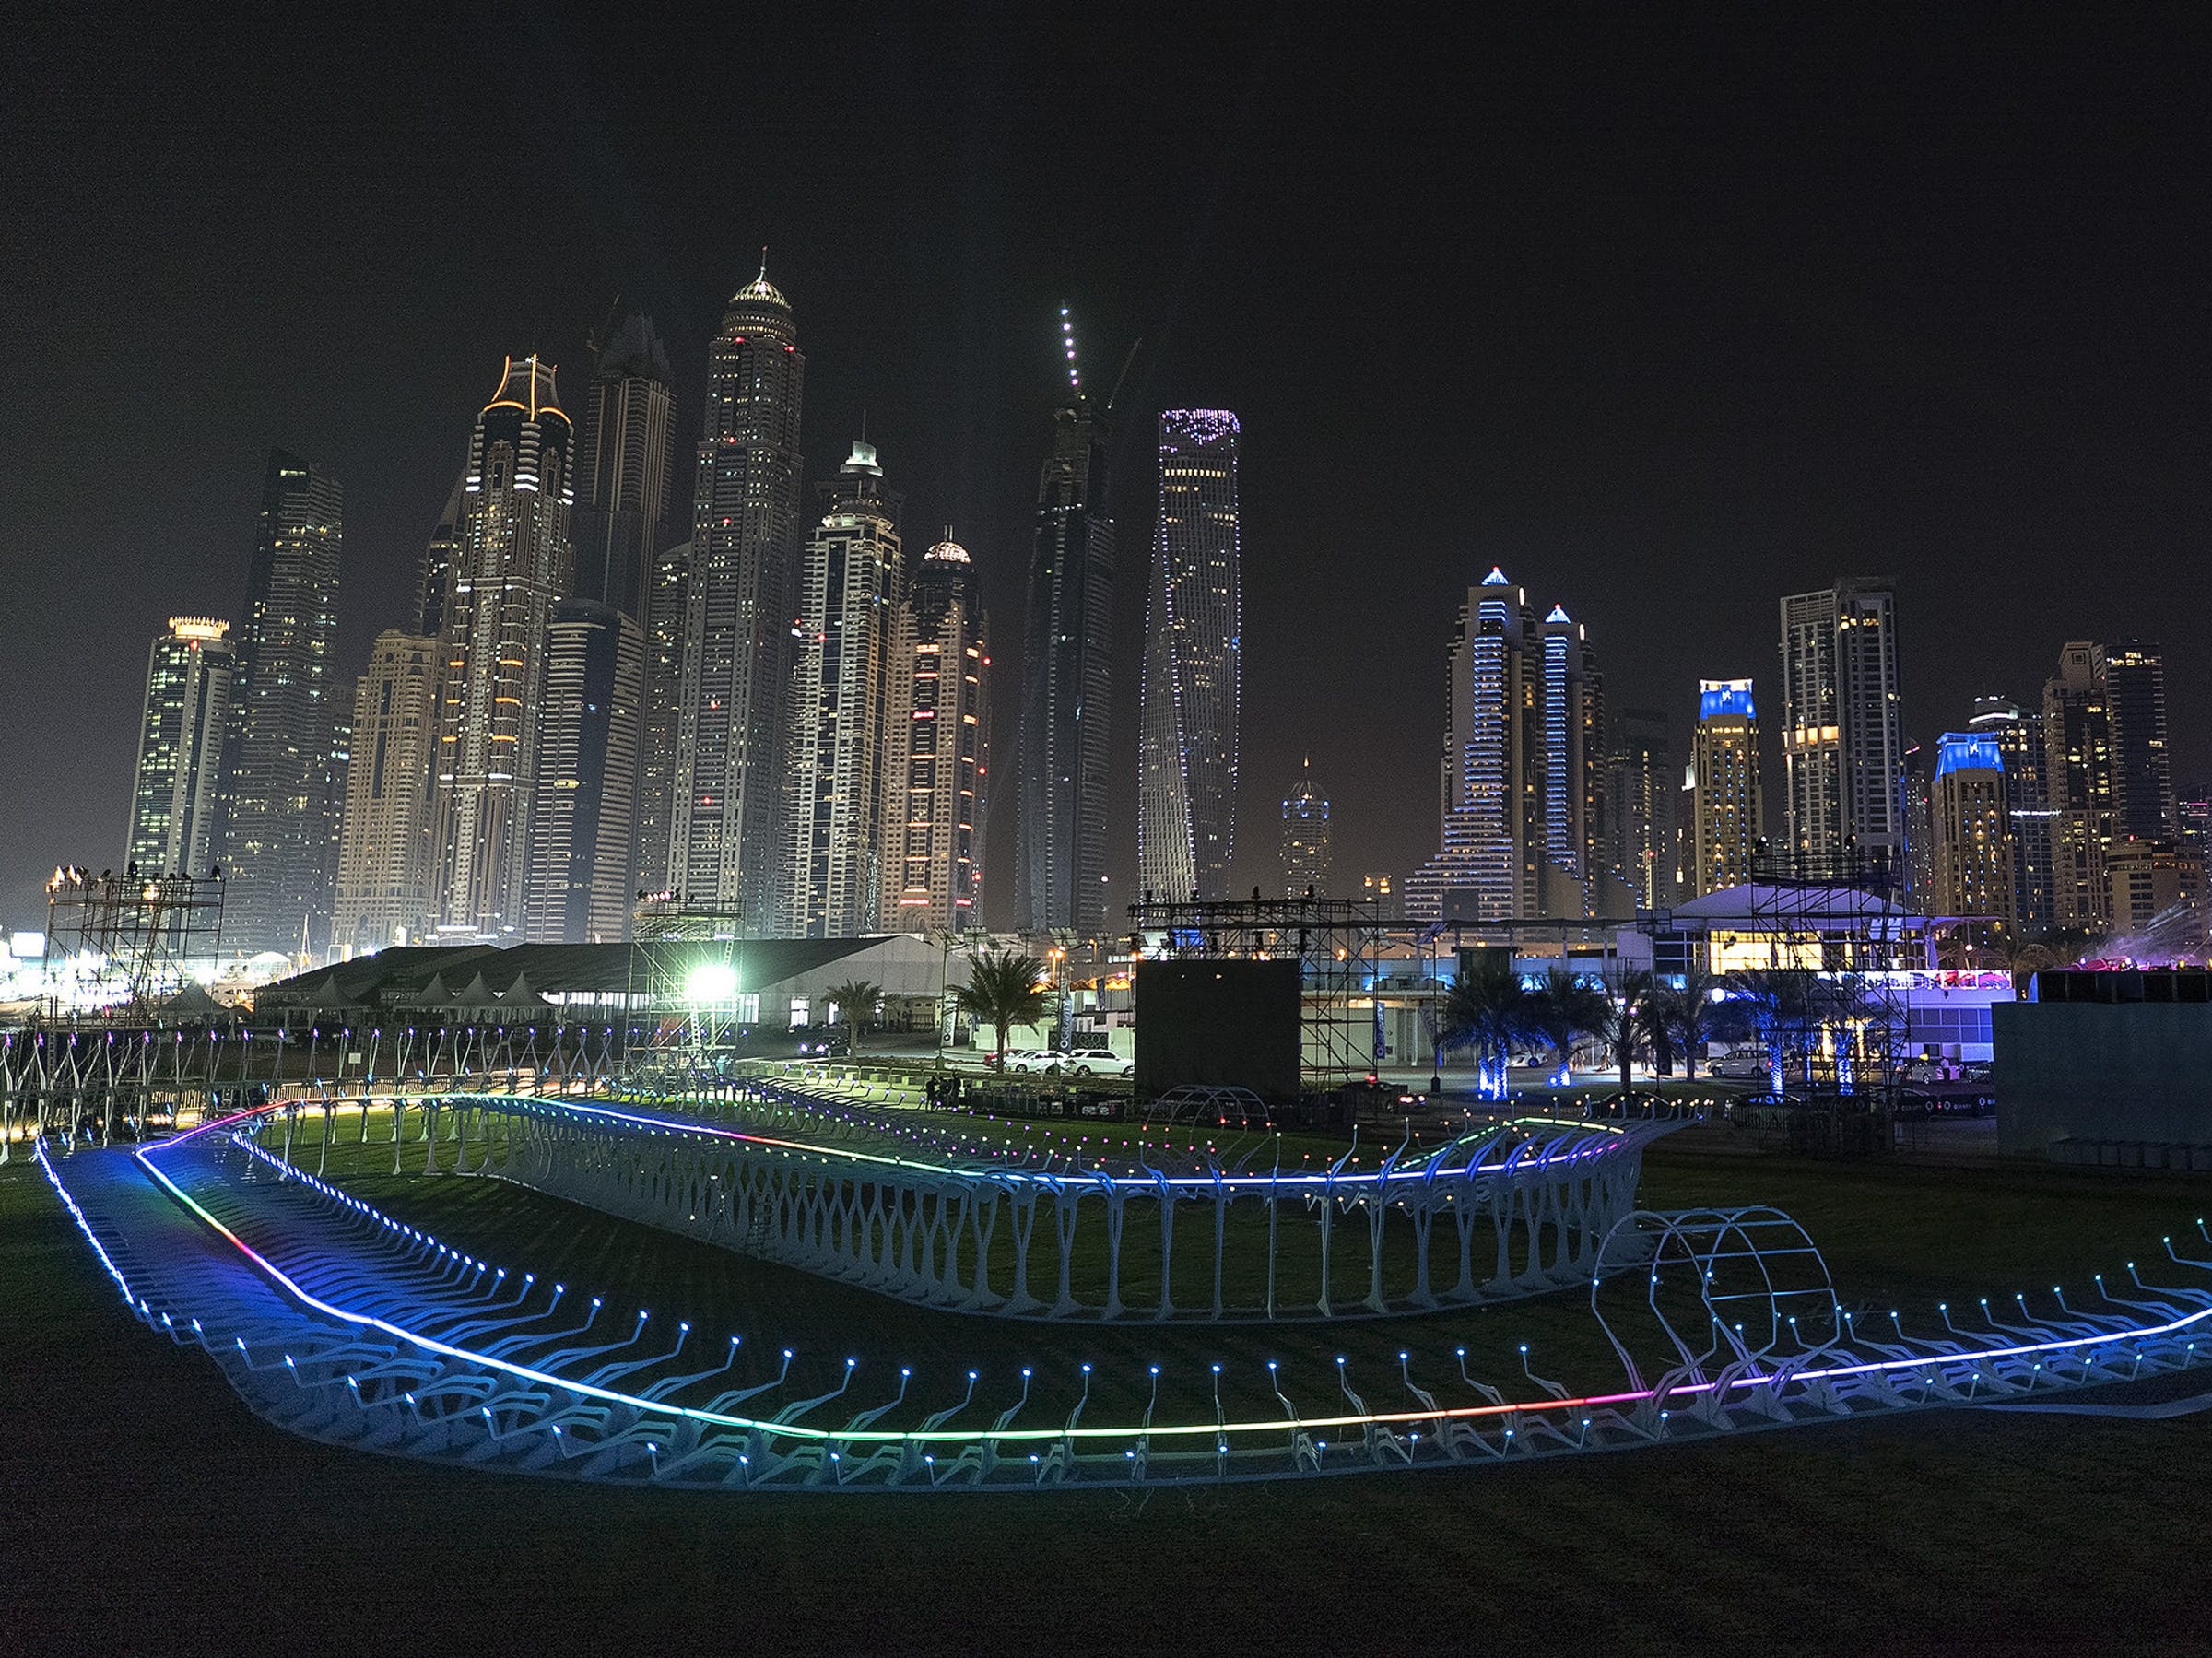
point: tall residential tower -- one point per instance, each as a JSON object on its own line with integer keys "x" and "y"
{"x": 852, "y": 583}
{"x": 386, "y": 843}
{"x": 739, "y": 588}
{"x": 579, "y": 888}
{"x": 1842, "y": 737}
{"x": 512, "y": 565}
{"x": 280, "y": 790}
{"x": 937, "y": 747}
{"x": 1306, "y": 839}
{"x": 1728, "y": 809}
{"x": 188, "y": 680}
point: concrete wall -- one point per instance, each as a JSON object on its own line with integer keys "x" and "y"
{"x": 2127, "y": 1071}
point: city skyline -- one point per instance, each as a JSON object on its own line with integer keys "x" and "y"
{"x": 1797, "y": 385}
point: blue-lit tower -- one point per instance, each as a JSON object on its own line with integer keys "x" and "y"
{"x": 1729, "y": 809}
{"x": 1973, "y": 831}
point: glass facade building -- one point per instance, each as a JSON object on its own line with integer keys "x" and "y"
{"x": 280, "y": 780}
{"x": 174, "y": 793}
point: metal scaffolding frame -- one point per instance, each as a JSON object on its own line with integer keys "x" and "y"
{"x": 1841, "y": 1023}
{"x": 131, "y": 937}
{"x": 694, "y": 1026}
{"x": 1334, "y": 941}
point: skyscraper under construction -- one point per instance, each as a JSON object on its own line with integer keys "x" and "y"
{"x": 1060, "y": 874}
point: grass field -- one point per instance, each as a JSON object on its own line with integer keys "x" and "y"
{"x": 145, "y": 1510}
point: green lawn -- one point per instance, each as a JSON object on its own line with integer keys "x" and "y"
{"x": 143, "y": 1508}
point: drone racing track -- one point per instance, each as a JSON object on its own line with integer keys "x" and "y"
{"x": 341, "y": 1323}
{"x": 950, "y": 1220}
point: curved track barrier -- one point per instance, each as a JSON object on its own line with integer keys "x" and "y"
{"x": 339, "y": 1321}
{"x": 960, "y": 1221}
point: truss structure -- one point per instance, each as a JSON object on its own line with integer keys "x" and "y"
{"x": 683, "y": 969}
{"x": 1832, "y": 949}
{"x": 129, "y": 940}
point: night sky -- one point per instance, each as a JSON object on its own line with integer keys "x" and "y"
{"x": 1668, "y": 318}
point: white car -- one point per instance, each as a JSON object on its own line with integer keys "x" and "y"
{"x": 1088, "y": 1062}
{"x": 1746, "y": 1064}
{"x": 1021, "y": 1060}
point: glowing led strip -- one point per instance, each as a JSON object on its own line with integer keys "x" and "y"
{"x": 1147, "y": 1431}
{"x": 1407, "y": 1172}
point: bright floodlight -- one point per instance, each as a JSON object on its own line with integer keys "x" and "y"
{"x": 713, "y": 982}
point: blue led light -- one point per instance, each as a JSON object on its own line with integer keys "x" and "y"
{"x": 1967, "y": 752}
{"x": 1726, "y": 699}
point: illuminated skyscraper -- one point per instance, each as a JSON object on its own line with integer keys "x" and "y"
{"x": 1974, "y": 834}
{"x": 937, "y": 747}
{"x": 2018, "y": 734}
{"x": 385, "y": 844}
{"x": 666, "y": 597}
{"x": 280, "y": 790}
{"x": 512, "y": 564}
{"x": 2083, "y": 781}
{"x": 1523, "y": 771}
{"x": 1728, "y": 811}
{"x": 173, "y": 797}
{"x": 1187, "y": 729}
{"x": 1842, "y": 739}
{"x": 740, "y": 594}
{"x": 579, "y": 888}
{"x": 1306, "y": 839}
{"x": 1641, "y": 781}
{"x": 1066, "y": 678}
{"x": 2135, "y": 679}
{"x": 1920, "y": 827}
{"x": 852, "y": 582}
{"x": 1576, "y": 879}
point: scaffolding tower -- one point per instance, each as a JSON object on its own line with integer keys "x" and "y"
{"x": 122, "y": 945}
{"x": 684, "y": 982}
{"x": 1335, "y": 942}
{"x": 1836, "y": 945}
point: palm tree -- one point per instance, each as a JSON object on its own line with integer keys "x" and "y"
{"x": 1683, "y": 1019}
{"x": 1565, "y": 1010}
{"x": 1620, "y": 1021}
{"x": 1487, "y": 1011}
{"x": 855, "y": 998}
{"x": 1776, "y": 1001}
{"x": 1005, "y": 988}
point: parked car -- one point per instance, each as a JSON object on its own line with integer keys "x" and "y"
{"x": 1024, "y": 1061}
{"x": 1746, "y": 1064}
{"x": 1090, "y": 1061}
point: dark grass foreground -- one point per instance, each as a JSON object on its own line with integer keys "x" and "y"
{"x": 143, "y": 1510}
